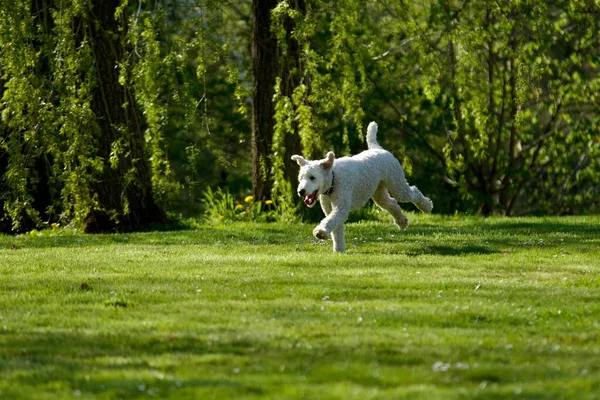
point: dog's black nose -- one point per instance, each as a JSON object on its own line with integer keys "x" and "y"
{"x": 301, "y": 192}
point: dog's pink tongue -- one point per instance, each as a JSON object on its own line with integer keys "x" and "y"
{"x": 310, "y": 199}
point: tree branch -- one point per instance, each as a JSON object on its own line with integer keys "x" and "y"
{"x": 548, "y": 131}
{"x": 413, "y": 131}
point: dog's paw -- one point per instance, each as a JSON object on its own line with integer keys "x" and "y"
{"x": 402, "y": 222}
{"x": 320, "y": 233}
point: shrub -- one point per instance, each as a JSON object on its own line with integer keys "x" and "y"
{"x": 221, "y": 206}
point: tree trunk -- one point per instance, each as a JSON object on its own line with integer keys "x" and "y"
{"x": 124, "y": 193}
{"x": 291, "y": 76}
{"x": 4, "y": 221}
{"x": 264, "y": 67}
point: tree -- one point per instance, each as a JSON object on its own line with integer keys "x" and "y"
{"x": 264, "y": 68}
{"x": 290, "y": 78}
{"x": 73, "y": 135}
{"x": 519, "y": 81}
{"x": 490, "y": 107}
{"x": 124, "y": 188}
{"x": 317, "y": 106}
{"x": 114, "y": 111}
{"x": 25, "y": 170}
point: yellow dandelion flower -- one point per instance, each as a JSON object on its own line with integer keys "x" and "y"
{"x": 239, "y": 207}
{"x": 249, "y": 199}
{"x": 269, "y": 202}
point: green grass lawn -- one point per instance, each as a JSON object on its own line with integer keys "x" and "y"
{"x": 452, "y": 308}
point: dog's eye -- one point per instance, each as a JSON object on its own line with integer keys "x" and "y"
{"x": 312, "y": 178}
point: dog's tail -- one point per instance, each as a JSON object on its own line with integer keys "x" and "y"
{"x": 372, "y": 136}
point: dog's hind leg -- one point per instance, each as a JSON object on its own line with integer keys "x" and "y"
{"x": 382, "y": 198}
{"x": 404, "y": 193}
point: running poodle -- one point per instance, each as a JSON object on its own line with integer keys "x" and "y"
{"x": 347, "y": 183}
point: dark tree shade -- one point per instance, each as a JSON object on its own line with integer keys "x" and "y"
{"x": 264, "y": 64}
{"x": 118, "y": 118}
{"x": 291, "y": 75}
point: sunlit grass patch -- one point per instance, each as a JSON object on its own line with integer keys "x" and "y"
{"x": 453, "y": 307}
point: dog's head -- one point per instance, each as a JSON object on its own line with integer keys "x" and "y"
{"x": 314, "y": 177}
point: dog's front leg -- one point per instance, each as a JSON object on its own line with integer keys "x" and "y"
{"x": 339, "y": 245}
{"x": 319, "y": 232}
{"x": 334, "y": 222}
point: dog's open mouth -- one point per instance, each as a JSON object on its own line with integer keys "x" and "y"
{"x": 311, "y": 199}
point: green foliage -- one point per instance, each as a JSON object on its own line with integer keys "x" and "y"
{"x": 189, "y": 81}
{"x": 497, "y": 108}
{"x": 221, "y": 206}
{"x": 490, "y": 107}
{"x": 50, "y": 136}
{"x": 76, "y": 164}
{"x": 151, "y": 79}
{"x": 46, "y": 112}
{"x": 326, "y": 105}
{"x": 514, "y": 108}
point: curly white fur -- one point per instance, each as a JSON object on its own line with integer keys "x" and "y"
{"x": 347, "y": 183}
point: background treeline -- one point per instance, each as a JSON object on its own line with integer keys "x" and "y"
{"x": 117, "y": 114}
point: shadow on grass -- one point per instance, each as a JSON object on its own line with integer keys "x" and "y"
{"x": 566, "y": 227}
{"x": 451, "y": 250}
{"x": 546, "y": 227}
{"x": 247, "y": 234}
{"x": 589, "y": 229}
{"x": 441, "y": 238}
{"x": 479, "y": 236}
{"x": 138, "y": 365}
{"x": 121, "y": 366}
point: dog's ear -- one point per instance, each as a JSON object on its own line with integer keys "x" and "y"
{"x": 300, "y": 160}
{"x": 328, "y": 161}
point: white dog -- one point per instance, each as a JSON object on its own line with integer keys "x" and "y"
{"x": 347, "y": 183}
